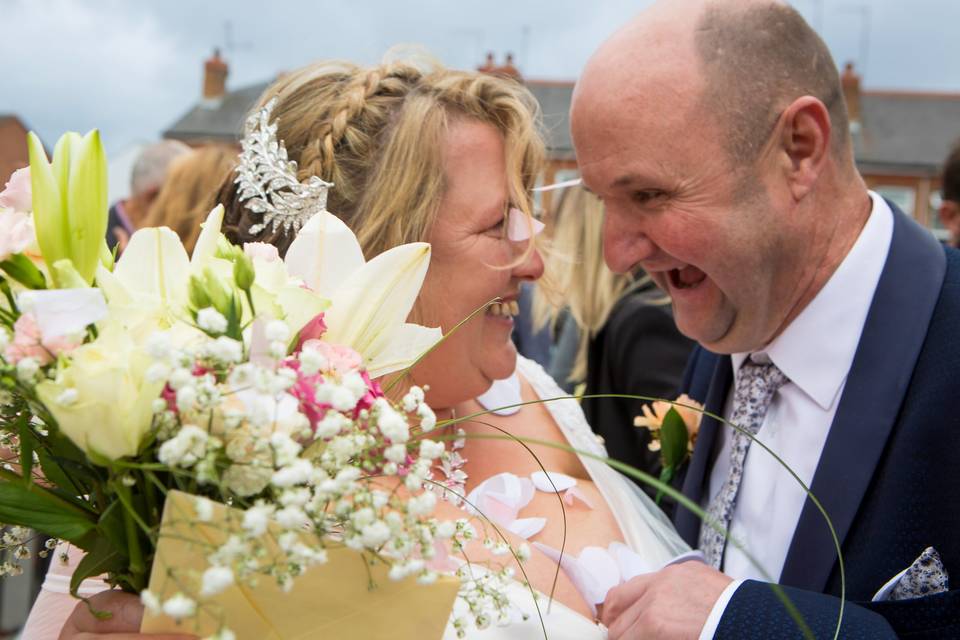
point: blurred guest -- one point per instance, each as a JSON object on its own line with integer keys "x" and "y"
{"x": 950, "y": 193}
{"x": 190, "y": 190}
{"x": 531, "y": 341}
{"x": 620, "y": 337}
{"x": 149, "y": 172}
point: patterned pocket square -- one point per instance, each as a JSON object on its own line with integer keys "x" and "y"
{"x": 925, "y": 577}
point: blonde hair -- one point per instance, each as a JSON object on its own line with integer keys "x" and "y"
{"x": 377, "y": 134}
{"x": 189, "y": 191}
{"x": 574, "y": 266}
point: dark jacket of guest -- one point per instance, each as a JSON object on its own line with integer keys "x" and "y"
{"x": 639, "y": 351}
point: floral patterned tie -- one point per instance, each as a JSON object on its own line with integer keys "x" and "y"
{"x": 757, "y": 381}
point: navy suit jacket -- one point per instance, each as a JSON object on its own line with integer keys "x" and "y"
{"x": 889, "y": 474}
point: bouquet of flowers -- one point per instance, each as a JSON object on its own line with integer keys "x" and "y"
{"x": 210, "y": 425}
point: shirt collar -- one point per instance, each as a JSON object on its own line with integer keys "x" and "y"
{"x": 816, "y": 350}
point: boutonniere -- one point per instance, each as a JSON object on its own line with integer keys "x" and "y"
{"x": 673, "y": 430}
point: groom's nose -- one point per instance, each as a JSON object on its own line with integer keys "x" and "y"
{"x": 624, "y": 245}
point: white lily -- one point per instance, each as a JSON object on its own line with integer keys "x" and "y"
{"x": 150, "y": 281}
{"x": 370, "y": 301}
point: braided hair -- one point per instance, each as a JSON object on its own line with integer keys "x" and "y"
{"x": 377, "y": 134}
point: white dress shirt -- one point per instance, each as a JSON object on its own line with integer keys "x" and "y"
{"x": 815, "y": 352}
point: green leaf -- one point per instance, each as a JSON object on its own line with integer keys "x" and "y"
{"x": 8, "y": 294}
{"x": 112, "y": 525}
{"x": 57, "y": 476}
{"x": 666, "y": 477}
{"x": 104, "y": 557}
{"x": 20, "y": 268}
{"x": 26, "y": 449}
{"x": 35, "y": 507}
{"x": 673, "y": 439}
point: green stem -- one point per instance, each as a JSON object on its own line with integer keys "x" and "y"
{"x": 253, "y": 310}
{"x": 131, "y": 519}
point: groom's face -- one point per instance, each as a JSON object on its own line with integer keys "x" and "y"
{"x": 677, "y": 206}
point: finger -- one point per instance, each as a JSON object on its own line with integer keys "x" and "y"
{"x": 622, "y": 596}
{"x": 622, "y": 626}
{"x": 124, "y": 609}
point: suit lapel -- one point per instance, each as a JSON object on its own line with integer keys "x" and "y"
{"x": 890, "y": 344}
{"x": 698, "y": 476}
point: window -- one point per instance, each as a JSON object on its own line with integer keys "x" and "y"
{"x": 903, "y": 197}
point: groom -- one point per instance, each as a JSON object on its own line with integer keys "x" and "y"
{"x": 717, "y": 136}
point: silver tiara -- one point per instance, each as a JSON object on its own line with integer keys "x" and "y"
{"x": 268, "y": 182}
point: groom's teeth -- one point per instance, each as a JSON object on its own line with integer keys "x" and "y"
{"x": 514, "y": 308}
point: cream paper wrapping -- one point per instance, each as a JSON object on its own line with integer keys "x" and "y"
{"x": 329, "y": 601}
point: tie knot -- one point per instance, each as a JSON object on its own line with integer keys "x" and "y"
{"x": 760, "y": 372}
{"x": 757, "y": 382}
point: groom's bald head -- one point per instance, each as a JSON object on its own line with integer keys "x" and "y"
{"x": 739, "y": 62}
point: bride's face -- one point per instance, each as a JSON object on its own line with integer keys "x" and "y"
{"x": 470, "y": 265}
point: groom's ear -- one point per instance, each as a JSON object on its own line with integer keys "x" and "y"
{"x": 804, "y": 143}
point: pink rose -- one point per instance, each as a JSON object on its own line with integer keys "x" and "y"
{"x": 262, "y": 250}
{"x": 340, "y": 358}
{"x": 17, "y": 194}
{"x": 29, "y": 343}
{"x": 16, "y": 233}
{"x": 313, "y": 330}
{"x": 305, "y": 390}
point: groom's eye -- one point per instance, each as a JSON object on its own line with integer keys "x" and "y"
{"x": 647, "y": 196}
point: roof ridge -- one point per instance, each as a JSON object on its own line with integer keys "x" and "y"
{"x": 906, "y": 93}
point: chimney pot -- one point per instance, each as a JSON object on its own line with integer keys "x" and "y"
{"x": 850, "y": 81}
{"x": 489, "y": 64}
{"x": 215, "y": 71}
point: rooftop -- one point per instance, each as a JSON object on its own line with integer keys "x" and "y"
{"x": 901, "y": 133}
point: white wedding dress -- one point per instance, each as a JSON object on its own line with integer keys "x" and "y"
{"x": 645, "y": 528}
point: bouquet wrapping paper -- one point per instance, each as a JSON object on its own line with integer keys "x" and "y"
{"x": 330, "y": 601}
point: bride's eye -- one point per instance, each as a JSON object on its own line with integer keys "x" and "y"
{"x": 499, "y": 229}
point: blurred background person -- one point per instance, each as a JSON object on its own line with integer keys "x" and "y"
{"x": 533, "y": 340}
{"x": 950, "y": 196}
{"x": 190, "y": 190}
{"x": 618, "y": 336}
{"x": 146, "y": 179}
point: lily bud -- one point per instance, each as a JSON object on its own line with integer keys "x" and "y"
{"x": 70, "y": 201}
{"x": 198, "y": 294}
{"x": 220, "y": 296}
{"x": 243, "y": 272}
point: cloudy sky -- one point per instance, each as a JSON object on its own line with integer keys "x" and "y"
{"x": 132, "y": 68}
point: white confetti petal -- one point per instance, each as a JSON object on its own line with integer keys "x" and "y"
{"x": 573, "y": 494}
{"x": 561, "y": 482}
{"x": 526, "y": 528}
{"x": 520, "y": 227}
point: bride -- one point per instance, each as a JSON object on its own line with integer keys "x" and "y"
{"x": 450, "y": 158}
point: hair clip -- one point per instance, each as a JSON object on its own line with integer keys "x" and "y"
{"x": 267, "y": 178}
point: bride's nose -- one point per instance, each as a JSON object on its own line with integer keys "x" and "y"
{"x": 530, "y": 265}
